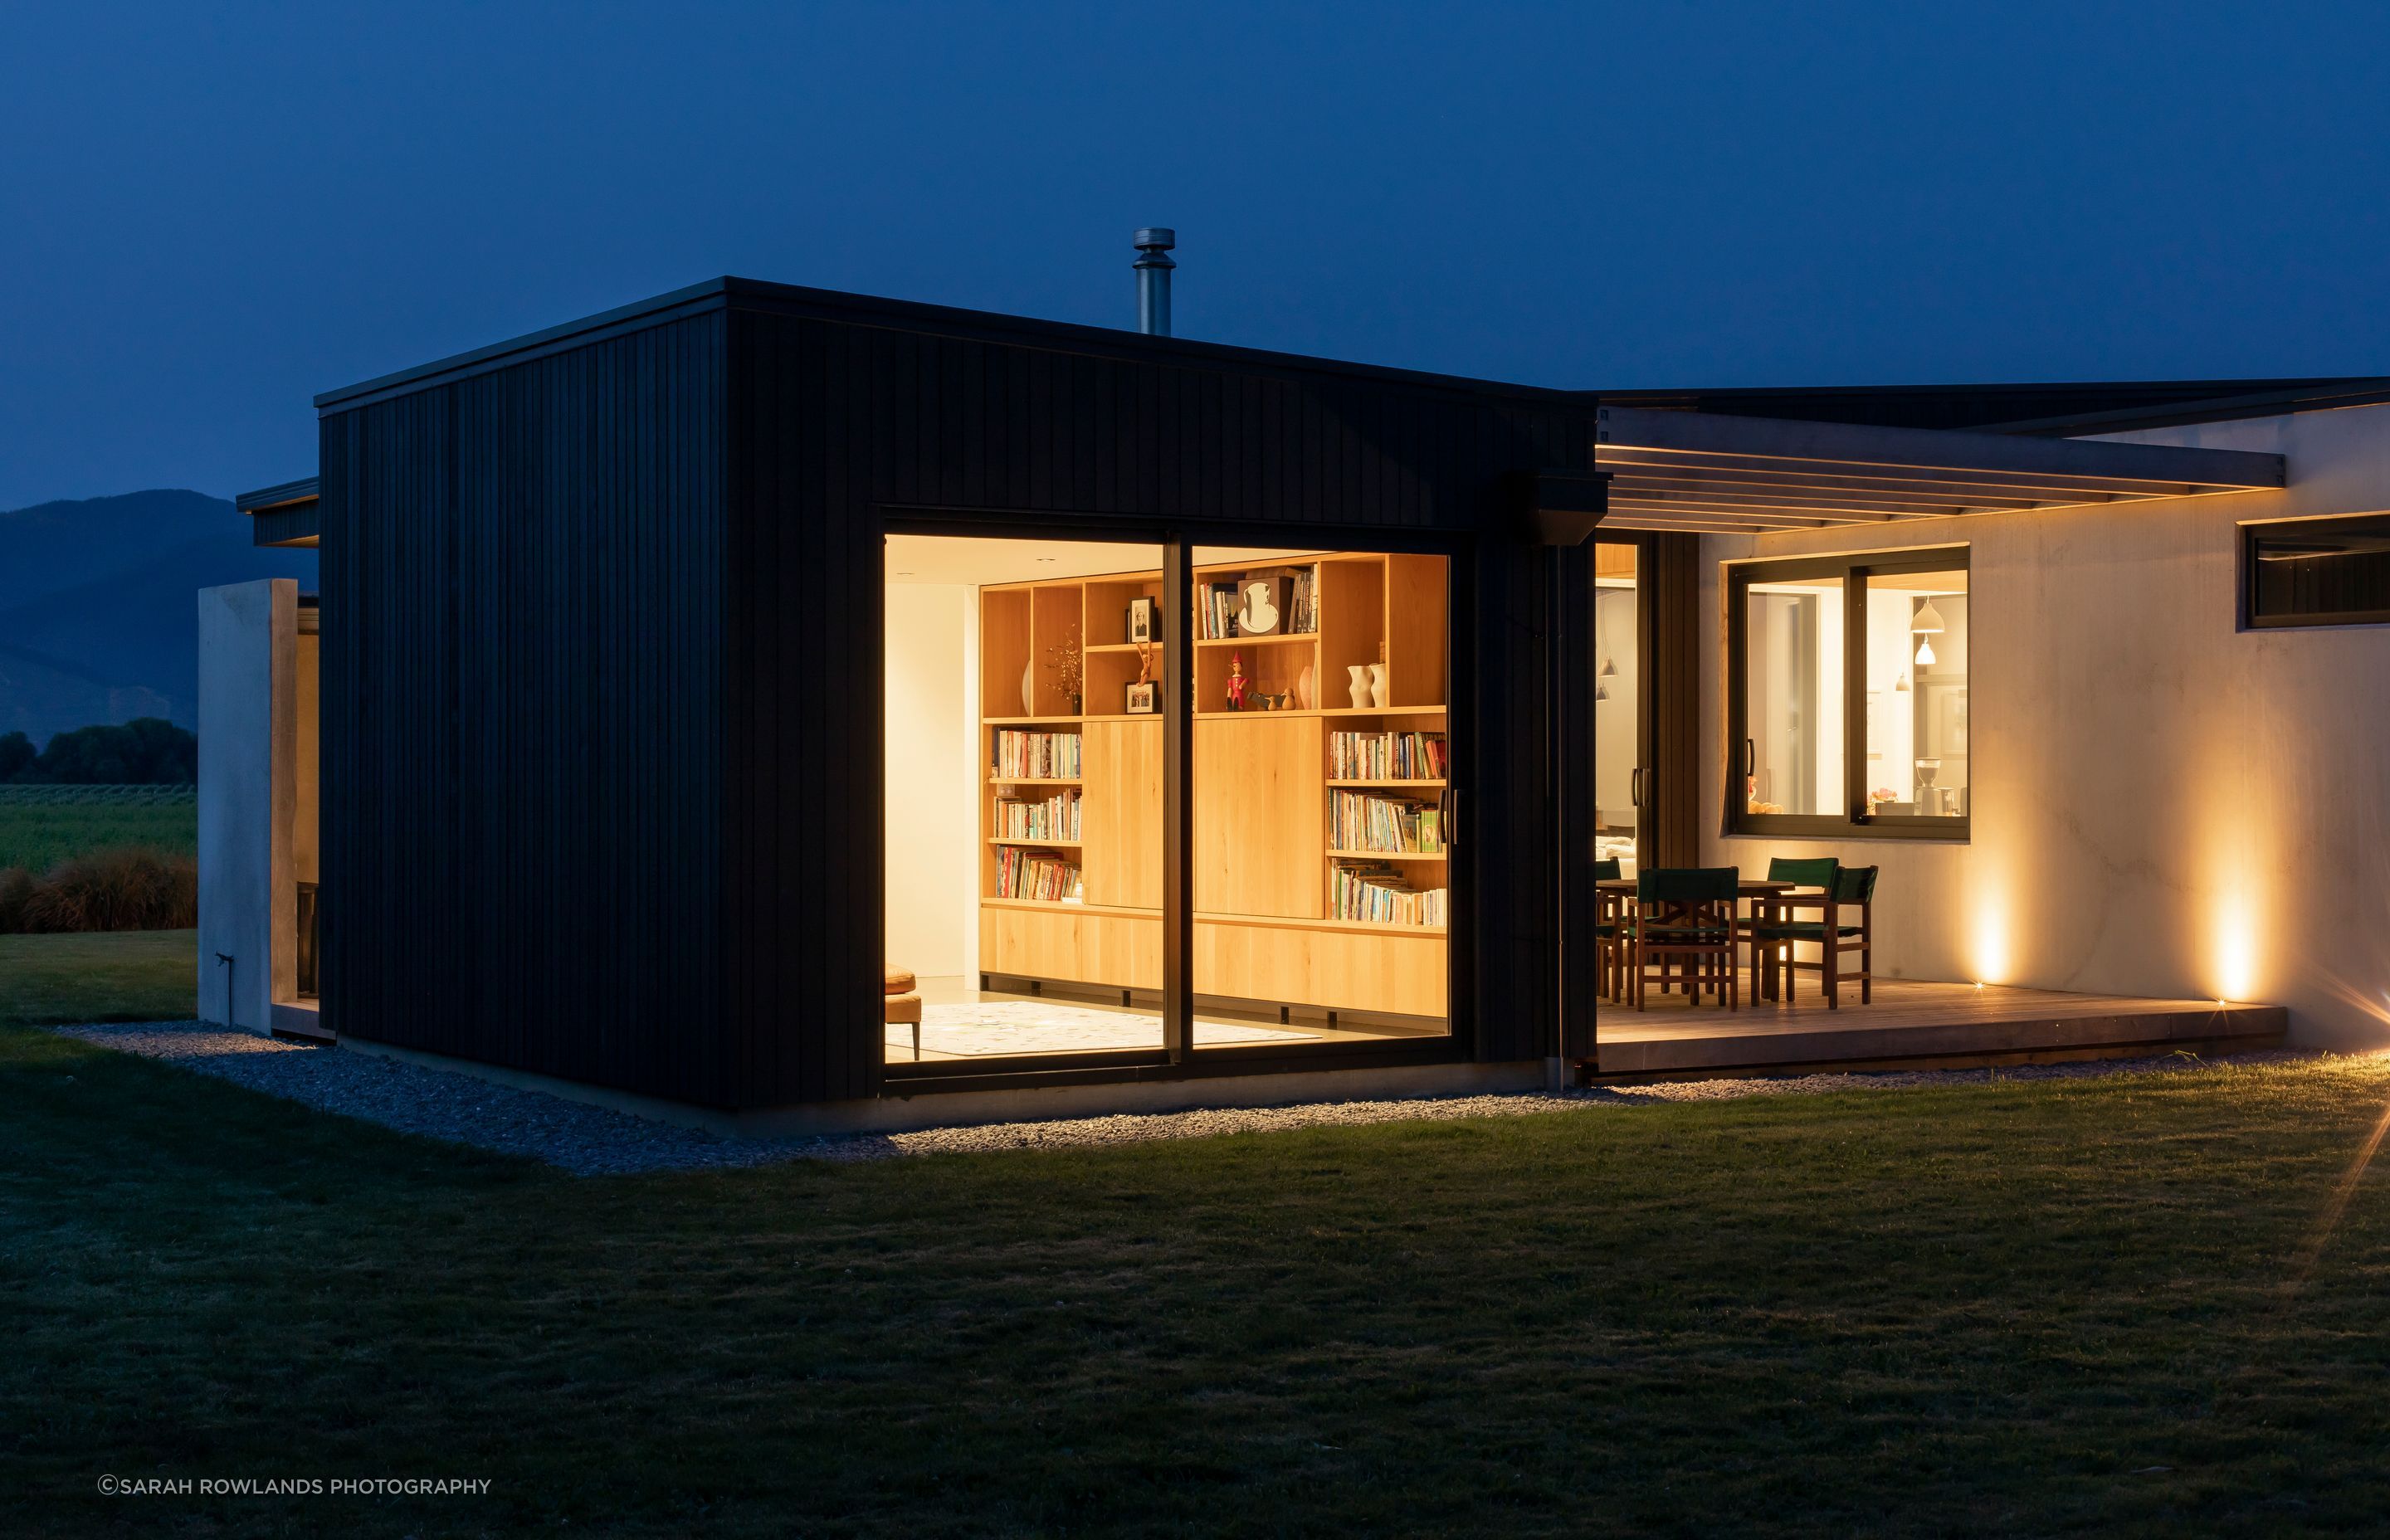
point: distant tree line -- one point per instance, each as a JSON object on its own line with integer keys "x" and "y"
{"x": 148, "y": 750}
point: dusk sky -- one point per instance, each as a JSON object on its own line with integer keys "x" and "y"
{"x": 209, "y": 213}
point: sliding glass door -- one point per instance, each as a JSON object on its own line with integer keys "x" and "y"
{"x": 1033, "y": 715}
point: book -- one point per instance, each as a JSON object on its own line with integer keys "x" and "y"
{"x": 1042, "y": 875}
{"x": 1388, "y": 756}
{"x": 1054, "y": 817}
{"x": 1035, "y": 756}
{"x": 1360, "y": 820}
{"x": 1380, "y": 895}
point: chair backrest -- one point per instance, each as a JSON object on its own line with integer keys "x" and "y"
{"x": 1606, "y": 869}
{"x": 1855, "y": 885}
{"x": 1688, "y": 884}
{"x": 1805, "y": 871}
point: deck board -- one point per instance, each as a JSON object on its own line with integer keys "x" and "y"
{"x": 1911, "y": 1021}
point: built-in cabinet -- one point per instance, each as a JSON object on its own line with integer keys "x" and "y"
{"x": 1057, "y": 663}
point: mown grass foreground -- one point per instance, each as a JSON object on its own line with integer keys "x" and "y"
{"x": 2096, "y": 1307}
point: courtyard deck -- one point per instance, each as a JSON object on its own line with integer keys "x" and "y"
{"x": 1913, "y": 1025}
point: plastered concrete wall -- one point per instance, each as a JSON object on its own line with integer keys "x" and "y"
{"x": 246, "y": 733}
{"x": 2165, "y": 805}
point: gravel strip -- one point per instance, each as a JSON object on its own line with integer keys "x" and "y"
{"x": 593, "y": 1141}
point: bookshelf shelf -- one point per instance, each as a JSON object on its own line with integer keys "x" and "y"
{"x": 1428, "y": 786}
{"x": 1129, "y": 648}
{"x": 1027, "y": 721}
{"x": 1033, "y": 844}
{"x": 1274, "y": 639}
{"x": 996, "y": 777}
{"x": 1390, "y": 854}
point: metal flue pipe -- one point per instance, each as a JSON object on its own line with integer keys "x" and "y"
{"x": 1153, "y": 266}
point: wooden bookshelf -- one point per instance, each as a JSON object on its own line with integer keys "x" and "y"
{"x": 1264, "y": 867}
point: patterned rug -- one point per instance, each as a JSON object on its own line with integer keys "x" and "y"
{"x": 1039, "y": 1026}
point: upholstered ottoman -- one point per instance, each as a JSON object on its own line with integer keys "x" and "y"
{"x": 903, "y": 1006}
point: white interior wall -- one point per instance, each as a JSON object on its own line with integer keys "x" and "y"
{"x": 932, "y": 786}
{"x": 2164, "y": 804}
{"x": 1614, "y": 719}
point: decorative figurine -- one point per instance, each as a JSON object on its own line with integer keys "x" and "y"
{"x": 1236, "y": 682}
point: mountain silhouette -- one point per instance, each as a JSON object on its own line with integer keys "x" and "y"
{"x": 98, "y": 608}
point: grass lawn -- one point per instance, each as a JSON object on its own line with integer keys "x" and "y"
{"x": 2042, "y": 1307}
{"x": 37, "y": 836}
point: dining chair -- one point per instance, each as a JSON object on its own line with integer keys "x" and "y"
{"x": 1690, "y": 914}
{"x": 1845, "y": 923}
{"x": 1610, "y": 929}
{"x": 1769, "y": 975}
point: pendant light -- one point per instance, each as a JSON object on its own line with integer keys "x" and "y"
{"x": 1925, "y": 624}
{"x": 1903, "y": 683}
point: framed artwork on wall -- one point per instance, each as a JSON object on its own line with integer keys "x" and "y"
{"x": 1144, "y": 619}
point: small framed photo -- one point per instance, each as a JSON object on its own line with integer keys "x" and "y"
{"x": 1144, "y": 619}
{"x": 1144, "y": 700}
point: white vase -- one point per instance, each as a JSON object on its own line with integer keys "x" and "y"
{"x": 1377, "y": 685}
{"x": 1359, "y": 674}
{"x": 1028, "y": 687}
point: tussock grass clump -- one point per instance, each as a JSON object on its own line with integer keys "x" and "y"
{"x": 126, "y": 887}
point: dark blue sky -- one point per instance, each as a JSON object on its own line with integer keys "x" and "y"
{"x": 208, "y": 213}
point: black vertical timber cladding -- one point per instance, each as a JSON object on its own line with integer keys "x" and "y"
{"x": 602, "y": 707}
{"x": 522, "y": 724}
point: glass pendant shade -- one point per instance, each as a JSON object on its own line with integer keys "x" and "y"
{"x": 1925, "y": 653}
{"x": 1927, "y": 620}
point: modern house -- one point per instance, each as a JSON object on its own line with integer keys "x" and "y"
{"x": 1190, "y": 723}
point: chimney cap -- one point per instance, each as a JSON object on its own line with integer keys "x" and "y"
{"x": 1153, "y": 237}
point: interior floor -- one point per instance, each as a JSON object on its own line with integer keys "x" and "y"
{"x": 960, "y": 1020}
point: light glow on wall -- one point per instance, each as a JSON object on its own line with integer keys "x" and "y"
{"x": 2233, "y": 950}
{"x": 1991, "y": 942}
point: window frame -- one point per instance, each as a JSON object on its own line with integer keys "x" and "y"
{"x": 2255, "y": 531}
{"x": 1853, "y": 822}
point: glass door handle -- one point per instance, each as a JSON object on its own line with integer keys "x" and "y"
{"x": 1750, "y": 757}
{"x": 1448, "y": 805}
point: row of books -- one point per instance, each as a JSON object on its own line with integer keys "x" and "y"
{"x": 1357, "y": 820}
{"x": 1380, "y": 895}
{"x": 1037, "y": 756}
{"x": 1055, "y": 817}
{"x": 1294, "y": 600}
{"x": 1388, "y": 756}
{"x": 1039, "y": 874}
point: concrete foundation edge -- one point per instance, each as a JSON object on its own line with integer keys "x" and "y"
{"x": 897, "y": 1114}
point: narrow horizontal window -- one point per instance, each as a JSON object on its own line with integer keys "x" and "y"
{"x": 2317, "y": 571}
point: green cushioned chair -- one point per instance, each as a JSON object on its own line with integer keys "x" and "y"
{"x": 1845, "y": 923}
{"x": 1803, "y": 871}
{"x": 1687, "y": 916}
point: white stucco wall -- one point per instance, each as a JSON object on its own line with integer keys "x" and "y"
{"x": 247, "y": 682}
{"x": 2165, "y": 805}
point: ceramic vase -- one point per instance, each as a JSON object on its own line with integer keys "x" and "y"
{"x": 1360, "y": 677}
{"x": 1377, "y": 685}
{"x": 1028, "y": 688}
{"x": 1303, "y": 688}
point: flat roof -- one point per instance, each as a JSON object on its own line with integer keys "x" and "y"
{"x": 1707, "y": 473}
